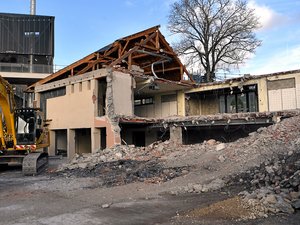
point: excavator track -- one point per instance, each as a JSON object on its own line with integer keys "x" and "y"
{"x": 34, "y": 163}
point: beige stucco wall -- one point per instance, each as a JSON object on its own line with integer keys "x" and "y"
{"x": 122, "y": 86}
{"x": 112, "y": 137}
{"x": 73, "y": 110}
{"x": 262, "y": 91}
{"x": 181, "y": 103}
{"x": 285, "y": 98}
{"x": 162, "y": 109}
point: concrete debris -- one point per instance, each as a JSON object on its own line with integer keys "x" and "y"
{"x": 105, "y": 206}
{"x": 122, "y": 172}
{"x": 221, "y": 158}
{"x": 220, "y": 146}
{"x": 275, "y": 184}
{"x": 266, "y": 163}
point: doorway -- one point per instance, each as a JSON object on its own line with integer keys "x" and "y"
{"x": 83, "y": 142}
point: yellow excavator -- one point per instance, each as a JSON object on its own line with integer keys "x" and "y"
{"x": 23, "y": 134}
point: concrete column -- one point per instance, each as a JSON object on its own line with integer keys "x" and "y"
{"x": 51, "y": 149}
{"x": 263, "y": 100}
{"x": 176, "y": 135}
{"x": 37, "y": 100}
{"x": 181, "y": 103}
{"x": 71, "y": 143}
{"x": 96, "y": 139}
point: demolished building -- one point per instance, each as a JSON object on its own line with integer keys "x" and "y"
{"x": 137, "y": 91}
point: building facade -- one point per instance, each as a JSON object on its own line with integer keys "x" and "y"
{"x": 133, "y": 91}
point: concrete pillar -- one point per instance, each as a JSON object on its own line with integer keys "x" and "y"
{"x": 37, "y": 100}
{"x": 51, "y": 149}
{"x": 96, "y": 139}
{"x": 262, "y": 90}
{"x": 176, "y": 135}
{"x": 71, "y": 143}
{"x": 181, "y": 103}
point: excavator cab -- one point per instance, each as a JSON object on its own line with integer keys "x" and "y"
{"x": 31, "y": 137}
{"x": 26, "y": 126}
{"x": 31, "y": 133}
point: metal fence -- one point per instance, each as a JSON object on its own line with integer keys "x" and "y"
{"x": 26, "y": 68}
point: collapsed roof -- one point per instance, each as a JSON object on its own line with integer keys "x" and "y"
{"x": 148, "y": 51}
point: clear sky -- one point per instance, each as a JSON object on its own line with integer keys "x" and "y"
{"x": 84, "y": 26}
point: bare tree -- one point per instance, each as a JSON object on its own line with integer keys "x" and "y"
{"x": 217, "y": 33}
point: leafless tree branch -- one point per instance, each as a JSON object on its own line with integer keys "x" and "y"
{"x": 216, "y": 32}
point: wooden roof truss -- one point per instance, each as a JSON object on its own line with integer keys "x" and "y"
{"x": 147, "y": 49}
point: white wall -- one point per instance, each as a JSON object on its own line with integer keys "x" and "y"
{"x": 285, "y": 96}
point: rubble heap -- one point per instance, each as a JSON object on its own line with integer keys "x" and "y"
{"x": 275, "y": 185}
{"x": 118, "y": 152}
{"x": 124, "y": 164}
{"x": 267, "y": 162}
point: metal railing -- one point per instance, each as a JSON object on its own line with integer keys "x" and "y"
{"x": 26, "y": 68}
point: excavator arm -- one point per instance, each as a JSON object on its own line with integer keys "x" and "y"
{"x": 7, "y": 107}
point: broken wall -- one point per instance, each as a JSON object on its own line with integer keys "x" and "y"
{"x": 122, "y": 93}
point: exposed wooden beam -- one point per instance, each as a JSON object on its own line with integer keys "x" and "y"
{"x": 141, "y": 33}
{"x": 124, "y": 49}
{"x": 157, "y": 45}
{"x": 131, "y": 50}
{"x": 166, "y": 44}
{"x": 90, "y": 66}
{"x": 155, "y": 49}
{"x": 119, "y": 50}
{"x": 108, "y": 52}
{"x": 139, "y": 56}
{"x": 154, "y": 44}
{"x": 129, "y": 61}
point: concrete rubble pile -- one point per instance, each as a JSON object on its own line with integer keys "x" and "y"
{"x": 124, "y": 164}
{"x": 119, "y": 152}
{"x": 275, "y": 185}
{"x": 267, "y": 163}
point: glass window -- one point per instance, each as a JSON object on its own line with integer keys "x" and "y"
{"x": 241, "y": 103}
{"x": 253, "y": 102}
{"x": 222, "y": 104}
{"x": 231, "y": 104}
{"x": 143, "y": 101}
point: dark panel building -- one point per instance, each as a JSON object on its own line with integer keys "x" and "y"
{"x": 26, "y": 43}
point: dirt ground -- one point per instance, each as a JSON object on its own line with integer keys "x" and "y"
{"x": 44, "y": 199}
